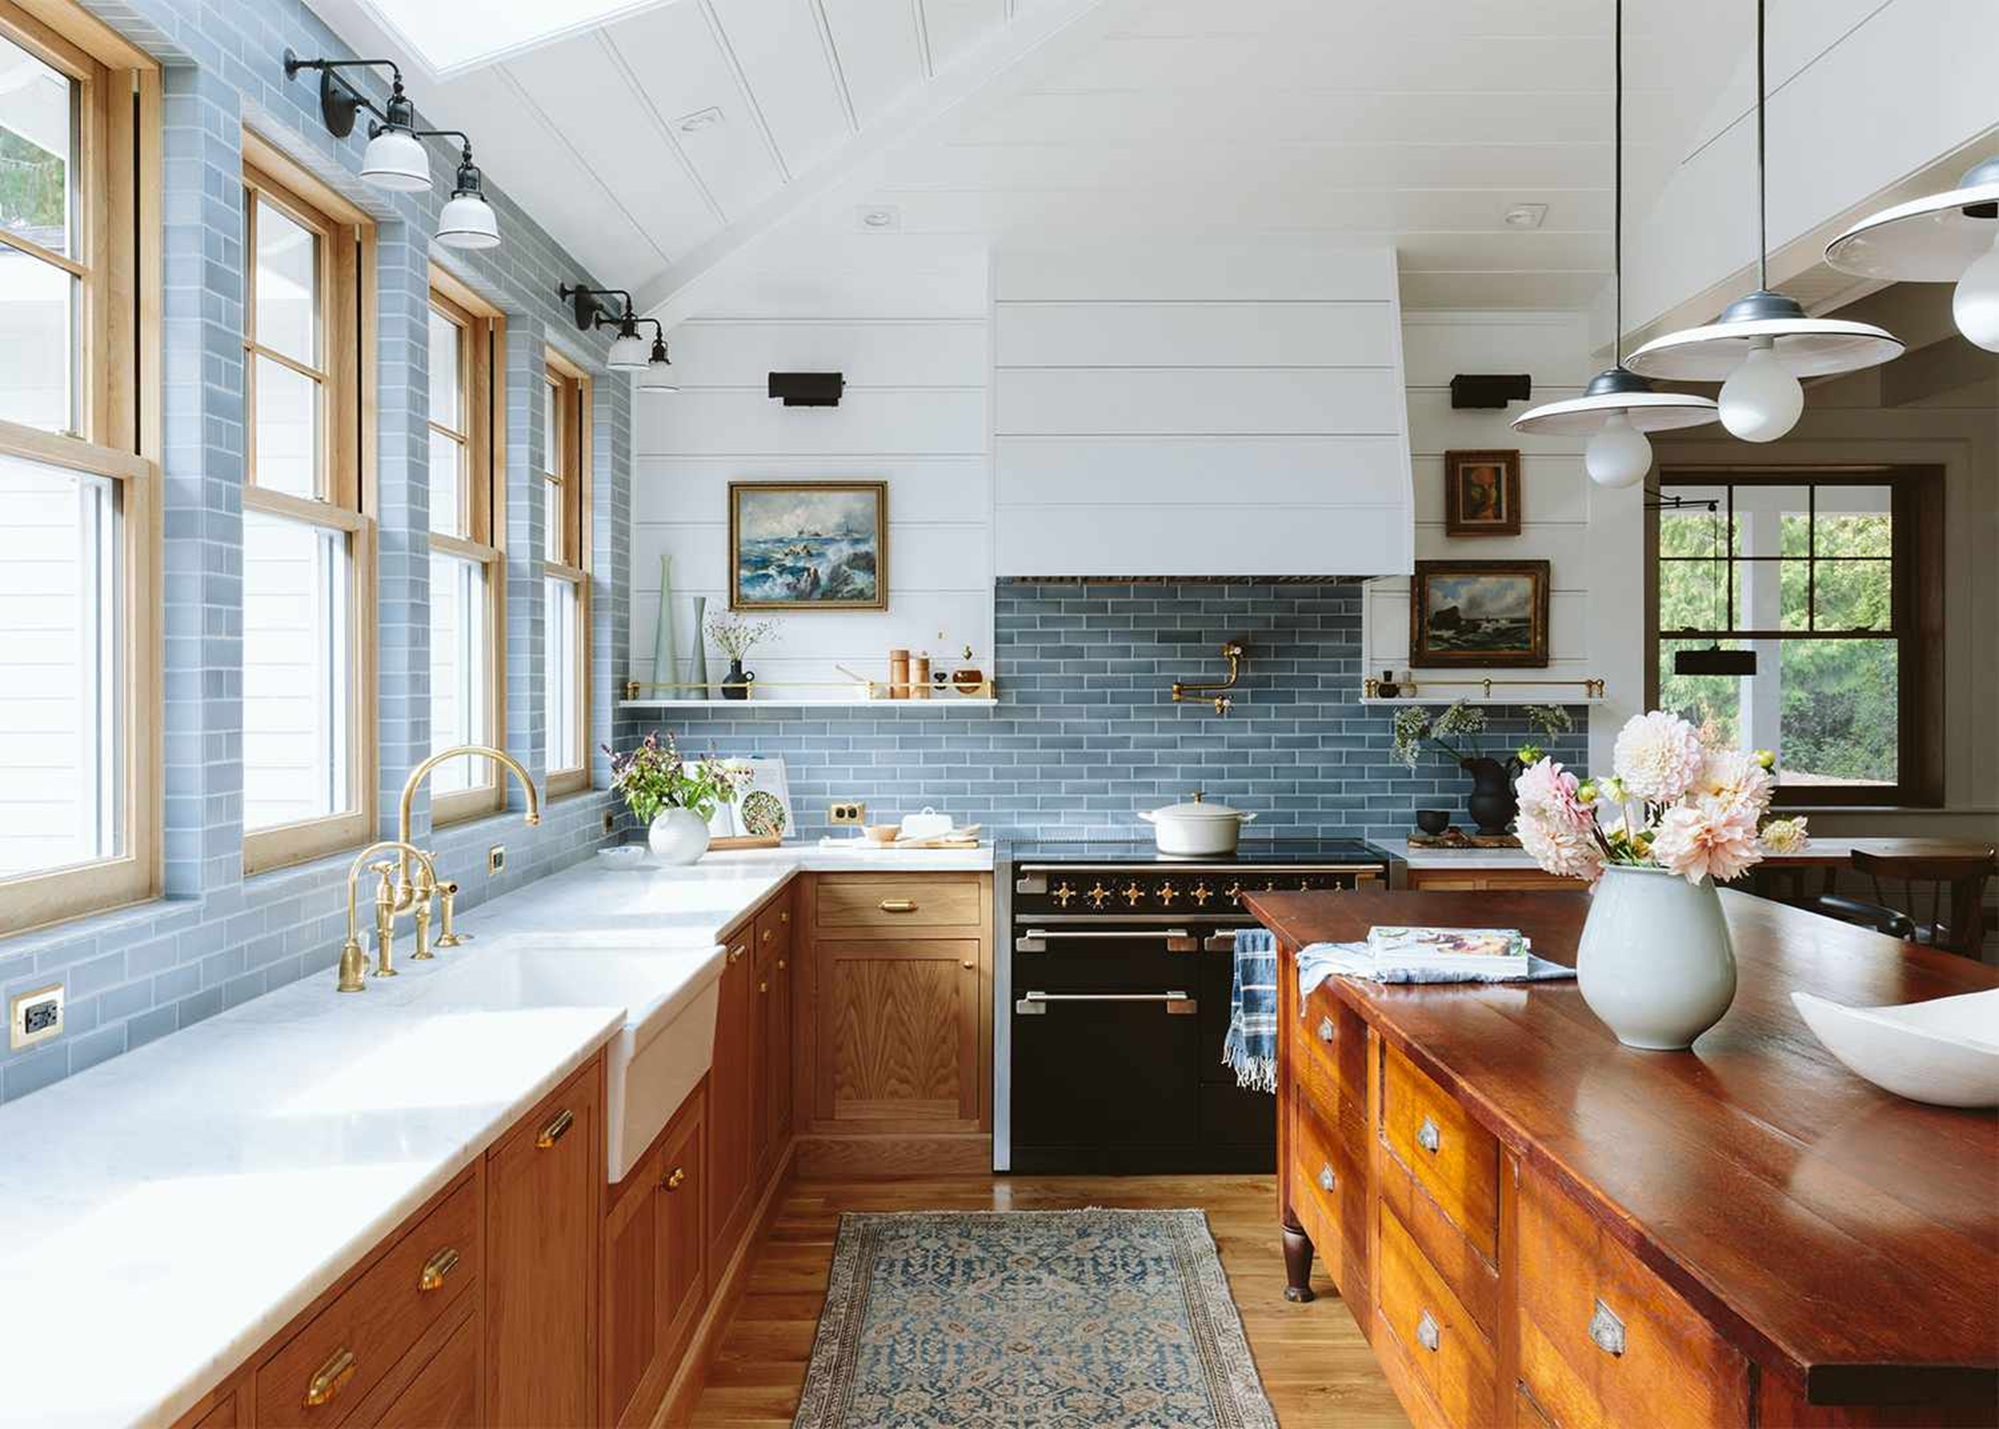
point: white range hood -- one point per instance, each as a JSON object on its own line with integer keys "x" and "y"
{"x": 1200, "y": 412}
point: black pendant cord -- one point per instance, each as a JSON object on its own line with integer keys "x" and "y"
{"x": 1762, "y": 190}
{"x": 1617, "y": 203}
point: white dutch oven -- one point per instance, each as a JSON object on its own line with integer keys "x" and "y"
{"x": 1197, "y": 829}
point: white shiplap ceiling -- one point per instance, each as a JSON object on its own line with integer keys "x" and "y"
{"x": 1079, "y": 122}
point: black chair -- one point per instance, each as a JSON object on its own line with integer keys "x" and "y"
{"x": 1954, "y": 885}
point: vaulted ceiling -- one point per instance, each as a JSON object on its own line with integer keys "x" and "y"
{"x": 672, "y": 146}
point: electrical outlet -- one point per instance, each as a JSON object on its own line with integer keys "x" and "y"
{"x": 496, "y": 859}
{"x": 34, "y": 1016}
{"x": 610, "y": 821}
{"x": 847, "y": 811}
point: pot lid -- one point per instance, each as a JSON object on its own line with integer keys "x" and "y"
{"x": 1198, "y": 808}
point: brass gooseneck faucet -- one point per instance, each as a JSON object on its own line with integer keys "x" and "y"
{"x": 353, "y": 958}
{"x": 407, "y": 893}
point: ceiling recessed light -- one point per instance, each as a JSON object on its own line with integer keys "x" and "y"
{"x": 1526, "y": 215}
{"x": 879, "y": 218}
{"x": 697, "y": 121}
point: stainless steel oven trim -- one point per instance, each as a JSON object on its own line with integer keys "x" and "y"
{"x": 1035, "y": 1004}
{"x": 1178, "y": 939}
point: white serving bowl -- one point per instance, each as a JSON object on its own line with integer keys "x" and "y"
{"x": 1944, "y": 1052}
{"x": 621, "y": 856}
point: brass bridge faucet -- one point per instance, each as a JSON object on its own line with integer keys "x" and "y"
{"x": 407, "y": 892}
{"x": 353, "y": 958}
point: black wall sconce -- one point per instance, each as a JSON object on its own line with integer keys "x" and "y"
{"x": 629, "y": 351}
{"x": 1714, "y": 660}
{"x": 807, "y": 389}
{"x": 1470, "y": 390}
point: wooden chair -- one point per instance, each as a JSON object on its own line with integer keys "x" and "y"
{"x": 1953, "y": 883}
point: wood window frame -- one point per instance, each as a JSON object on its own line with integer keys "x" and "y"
{"x": 1918, "y": 620}
{"x": 571, "y": 462}
{"x": 118, "y": 434}
{"x": 348, "y": 496}
{"x": 482, "y": 395}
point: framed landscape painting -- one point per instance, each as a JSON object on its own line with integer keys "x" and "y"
{"x": 808, "y": 545}
{"x": 1479, "y": 613}
{"x": 1482, "y": 493}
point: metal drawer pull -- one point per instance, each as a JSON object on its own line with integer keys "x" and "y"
{"x": 768, "y": 935}
{"x": 1326, "y": 1181}
{"x": 1035, "y": 1004}
{"x": 736, "y": 953}
{"x": 1325, "y": 1029}
{"x": 1222, "y": 942}
{"x": 898, "y": 905}
{"x": 1427, "y": 1333}
{"x": 555, "y": 1130}
{"x": 676, "y": 1180}
{"x": 1606, "y": 1331}
{"x": 431, "y": 1277}
{"x": 1427, "y": 1136}
{"x": 331, "y": 1379}
{"x": 1031, "y": 883}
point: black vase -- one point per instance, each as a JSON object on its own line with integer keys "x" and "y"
{"x": 1491, "y": 805}
{"x": 736, "y": 683}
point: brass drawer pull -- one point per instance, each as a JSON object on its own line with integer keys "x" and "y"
{"x": 556, "y": 1129}
{"x": 1325, "y": 1029}
{"x": 1606, "y": 1331}
{"x": 1428, "y": 1137}
{"x": 331, "y": 1379}
{"x": 675, "y": 1181}
{"x": 784, "y": 915}
{"x": 1427, "y": 1333}
{"x": 898, "y": 905}
{"x": 769, "y": 936}
{"x": 736, "y": 953}
{"x": 436, "y": 1268}
{"x": 763, "y": 987}
{"x": 1326, "y": 1180}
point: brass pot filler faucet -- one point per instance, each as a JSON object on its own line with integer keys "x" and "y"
{"x": 402, "y": 887}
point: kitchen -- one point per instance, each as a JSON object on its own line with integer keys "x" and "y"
{"x": 1128, "y": 446}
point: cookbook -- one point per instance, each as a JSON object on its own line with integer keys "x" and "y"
{"x": 1471, "y": 950}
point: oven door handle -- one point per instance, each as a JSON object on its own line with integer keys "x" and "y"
{"x": 1035, "y": 940}
{"x": 1177, "y": 1004}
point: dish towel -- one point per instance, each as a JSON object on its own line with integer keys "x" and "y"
{"x": 1251, "y": 1045}
{"x": 1320, "y": 961}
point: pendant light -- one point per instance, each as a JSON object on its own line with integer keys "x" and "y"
{"x": 1941, "y": 238}
{"x": 1763, "y": 343}
{"x": 1619, "y": 407}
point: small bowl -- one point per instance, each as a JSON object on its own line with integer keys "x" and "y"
{"x": 1433, "y": 821}
{"x": 622, "y": 856}
{"x": 882, "y": 833}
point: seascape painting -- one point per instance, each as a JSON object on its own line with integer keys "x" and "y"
{"x": 808, "y": 545}
{"x": 1479, "y": 613}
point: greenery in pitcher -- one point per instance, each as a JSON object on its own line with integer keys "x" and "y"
{"x": 652, "y": 778}
{"x": 1456, "y": 731}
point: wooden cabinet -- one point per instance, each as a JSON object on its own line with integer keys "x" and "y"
{"x": 654, "y": 1277}
{"x": 733, "y": 1078}
{"x": 776, "y": 1037}
{"x": 899, "y": 1034}
{"x": 442, "y": 1394}
{"x": 544, "y": 1194}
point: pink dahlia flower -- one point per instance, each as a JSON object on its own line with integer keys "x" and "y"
{"x": 1659, "y": 756}
{"x": 1707, "y": 838}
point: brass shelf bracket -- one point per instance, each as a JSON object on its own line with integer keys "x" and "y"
{"x": 1188, "y": 690}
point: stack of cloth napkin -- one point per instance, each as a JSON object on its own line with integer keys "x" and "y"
{"x": 1388, "y": 954}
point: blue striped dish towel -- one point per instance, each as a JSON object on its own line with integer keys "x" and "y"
{"x": 1251, "y": 1045}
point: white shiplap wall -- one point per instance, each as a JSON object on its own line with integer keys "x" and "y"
{"x": 1199, "y": 411}
{"x": 1593, "y": 537}
{"x": 916, "y": 358}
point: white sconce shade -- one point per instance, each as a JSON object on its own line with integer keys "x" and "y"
{"x": 396, "y": 160}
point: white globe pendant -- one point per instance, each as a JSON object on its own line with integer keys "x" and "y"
{"x": 1939, "y": 238}
{"x": 1762, "y": 400}
{"x": 1619, "y": 455}
{"x": 1975, "y": 304}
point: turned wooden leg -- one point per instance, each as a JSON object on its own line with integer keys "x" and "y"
{"x": 1297, "y": 1265}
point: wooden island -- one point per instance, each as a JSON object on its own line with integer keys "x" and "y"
{"x": 1537, "y": 1226}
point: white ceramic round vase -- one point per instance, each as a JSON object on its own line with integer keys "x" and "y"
{"x": 1655, "y": 961}
{"x": 678, "y": 836}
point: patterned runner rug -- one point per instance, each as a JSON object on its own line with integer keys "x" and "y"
{"x": 1097, "y": 1319}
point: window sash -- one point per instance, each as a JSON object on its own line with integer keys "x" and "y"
{"x": 565, "y": 699}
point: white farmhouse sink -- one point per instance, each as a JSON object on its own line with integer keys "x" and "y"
{"x": 669, "y": 1000}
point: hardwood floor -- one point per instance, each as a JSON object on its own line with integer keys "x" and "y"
{"x": 1316, "y": 1367}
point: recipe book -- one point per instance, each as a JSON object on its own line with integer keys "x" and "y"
{"x": 1472, "y": 951}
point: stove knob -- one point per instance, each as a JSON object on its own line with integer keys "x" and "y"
{"x": 1305, "y": 885}
{"x": 1098, "y": 896}
{"x": 1167, "y": 893}
{"x": 1270, "y": 885}
{"x": 1232, "y": 892}
{"x": 1201, "y": 894}
{"x": 1063, "y": 894}
{"x": 1133, "y": 894}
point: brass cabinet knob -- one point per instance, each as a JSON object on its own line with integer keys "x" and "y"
{"x": 780, "y": 964}
{"x": 769, "y": 936}
{"x": 557, "y": 1128}
{"x": 968, "y": 964}
{"x": 674, "y": 1181}
{"x": 431, "y": 1277}
{"x": 331, "y": 1379}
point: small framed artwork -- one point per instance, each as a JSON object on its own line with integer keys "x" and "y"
{"x": 808, "y": 545}
{"x": 1479, "y": 613}
{"x": 1482, "y": 493}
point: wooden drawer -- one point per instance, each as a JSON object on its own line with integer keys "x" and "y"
{"x": 1320, "y": 1176}
{"x": 349, "y": 1347}
{"x": 1318, "y": 1034}
{"x": 443, "y": 1394}
{"x": 1454, "y": 1158}
{"x": 1604, "y": 1341}
{"x": 772, "y": 929}
{"x": 1447, "y": 1353}
{"x": 899, "y": 903}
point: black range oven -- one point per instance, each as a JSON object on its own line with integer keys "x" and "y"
{"x": 1121, "y": 964}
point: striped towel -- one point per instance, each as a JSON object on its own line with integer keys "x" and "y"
{"x": 1251, "y": 1045}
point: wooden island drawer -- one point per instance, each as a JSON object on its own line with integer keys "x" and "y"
{"x": 1434, "y": 1337}
{"x": 1321, "y": 1179}
{"x": 323, "y": 1371}
{"x": 1603, "y": 1340}
{"x": 1453, "y": 1158}
{"x": 929, "y": 900}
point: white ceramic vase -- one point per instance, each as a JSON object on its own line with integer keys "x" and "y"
{"x": 678, "y": 836}
{"x": 1655, "y": 961}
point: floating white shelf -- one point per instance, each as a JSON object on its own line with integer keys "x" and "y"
{"x": 1514, "y": 699}
{"x": 964, "y": 702}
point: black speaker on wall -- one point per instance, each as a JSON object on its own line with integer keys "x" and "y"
{"x": 808, "y": 389}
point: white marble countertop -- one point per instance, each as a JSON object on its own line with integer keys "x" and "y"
{"x": 170, "y": 1210}
{"x": 1456, "y": 857}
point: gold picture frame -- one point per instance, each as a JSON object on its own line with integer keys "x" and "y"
{"x": 1482, "y": 493}
{"x": 808, "y": 545}
{"x": 1479, "y": 613}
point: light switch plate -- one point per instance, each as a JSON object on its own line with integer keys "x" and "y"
{"x": 34, "y": 1017}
